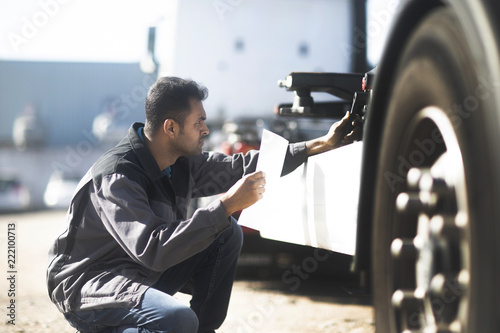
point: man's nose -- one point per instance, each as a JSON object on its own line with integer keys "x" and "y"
{"x": 205, "y": 130}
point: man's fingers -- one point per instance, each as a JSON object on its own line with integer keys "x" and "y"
{"x": 261, "y": 182}
{"x": 356, "y": 120}
{"x": 354, "y": 135}
{"x": 260, "y": 192}
{"x": 257, "y": 175}
{"x": 260, "y": 186}
{"x": 345, "y": 120}
{"x": 258, "y": 178}
{"x": 347, "y": 115}
{"x": 247, "y": 191}
{"x": 256, "y": 183}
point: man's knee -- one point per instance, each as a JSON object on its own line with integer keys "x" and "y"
{"x": 181, "y": 319}
{"x": 186, "y": 321}
{"x": 160, "y": 312}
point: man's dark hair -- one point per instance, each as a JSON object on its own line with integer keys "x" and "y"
{"x": 169, "y": 98}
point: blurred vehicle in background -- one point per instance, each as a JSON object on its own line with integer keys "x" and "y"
{"x": 28, "y": 130}
{"x": 60, "y": 189}
{"x": 14, "y": 196}
{"x": 242, "y": 134}
{"x": 110, "y": 126}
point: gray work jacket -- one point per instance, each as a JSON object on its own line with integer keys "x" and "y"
{"x": 127, "y": 223}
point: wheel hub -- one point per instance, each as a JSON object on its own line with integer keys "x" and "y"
{"x": 438, "y": 252}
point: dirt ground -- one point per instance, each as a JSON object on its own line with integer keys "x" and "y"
{"x": 256, "y": 306}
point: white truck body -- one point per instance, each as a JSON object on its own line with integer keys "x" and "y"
{"x": 239, "y": 49}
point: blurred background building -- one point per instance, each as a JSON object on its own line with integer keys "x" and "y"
{"x": 64, "y": 98}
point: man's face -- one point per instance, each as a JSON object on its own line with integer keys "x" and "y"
{"x": 192, "y": 136}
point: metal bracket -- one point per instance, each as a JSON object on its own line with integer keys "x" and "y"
{"x": 341, "y": 85}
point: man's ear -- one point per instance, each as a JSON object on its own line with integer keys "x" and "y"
{"x": 170, "y": 127}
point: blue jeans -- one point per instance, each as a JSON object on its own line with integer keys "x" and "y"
{"x": 209, "y": 275}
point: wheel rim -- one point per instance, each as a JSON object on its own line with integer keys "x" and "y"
{"x": 430, "y": 265}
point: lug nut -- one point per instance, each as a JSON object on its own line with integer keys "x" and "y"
{"x": 403, "y": 249}
{"x": 444, "y": 227}
{"x": 409, "y": 203}
{"x": 406, "y": 299}
{"x": 414, "y": 175}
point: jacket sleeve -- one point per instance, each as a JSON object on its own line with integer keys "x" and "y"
{"x": 295, "y": 156}
{"x": 215, "y": 173}
{"x": 153, "y": 241}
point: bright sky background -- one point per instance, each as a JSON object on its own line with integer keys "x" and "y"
{"x": 110, "y": 30}
{"x": 76, "y": 30}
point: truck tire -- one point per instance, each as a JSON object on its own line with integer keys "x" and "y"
{"x": 435, "y": 253}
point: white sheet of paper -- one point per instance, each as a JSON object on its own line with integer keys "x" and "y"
{"x": 315, "y": 205}
{"x": 271, "y": 157}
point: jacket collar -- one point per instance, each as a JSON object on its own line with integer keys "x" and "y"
{"x": 144, "y": 155}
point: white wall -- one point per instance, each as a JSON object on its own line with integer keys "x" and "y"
{"x": 203, "y": 47}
